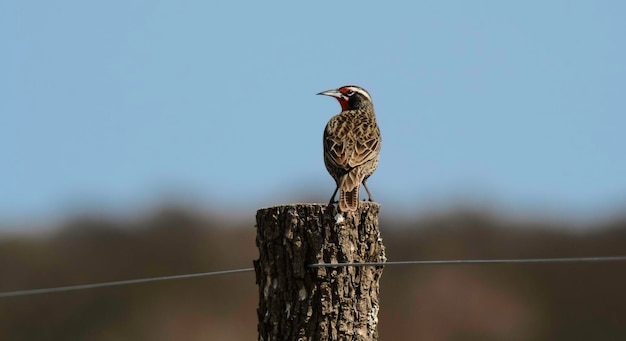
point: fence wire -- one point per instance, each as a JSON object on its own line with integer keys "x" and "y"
{"x": 478, "y": 261}
{"x": 117, "y": 283}
{"x": 326, "y": 265}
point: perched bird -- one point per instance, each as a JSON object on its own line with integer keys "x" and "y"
{"x": 351, "y": 144}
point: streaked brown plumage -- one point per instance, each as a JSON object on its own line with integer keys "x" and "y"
{"x": 351, "y": 145}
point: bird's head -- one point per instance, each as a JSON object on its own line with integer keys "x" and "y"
{"x": 350, "y": 97}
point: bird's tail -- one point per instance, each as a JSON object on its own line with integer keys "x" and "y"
{"x": 349, "y": 200}
{"x": 349, "y": 190}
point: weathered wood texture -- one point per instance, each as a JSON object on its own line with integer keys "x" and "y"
{"x": 297, "y": 302}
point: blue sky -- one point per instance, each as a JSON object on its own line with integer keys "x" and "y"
{"x": 115, "y": 104}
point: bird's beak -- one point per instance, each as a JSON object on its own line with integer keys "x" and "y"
{"x": 332, "y": 93}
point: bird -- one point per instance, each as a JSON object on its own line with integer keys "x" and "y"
{"x": 351, "y": 145}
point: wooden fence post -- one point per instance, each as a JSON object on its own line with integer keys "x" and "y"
{"x": 297, "y": 302}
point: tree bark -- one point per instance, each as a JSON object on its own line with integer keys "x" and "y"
{"x": 298, "y": 302}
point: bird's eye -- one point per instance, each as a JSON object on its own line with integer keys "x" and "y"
{"x": 349, "y": 93}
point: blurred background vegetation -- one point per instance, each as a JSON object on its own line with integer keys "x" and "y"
{"x": 468, "y": 302}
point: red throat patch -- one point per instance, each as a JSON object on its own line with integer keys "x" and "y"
{"x": 343, "y": 102}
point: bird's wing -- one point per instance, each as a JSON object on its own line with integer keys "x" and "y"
{"x": 335, "y": 154}
{"x": 366, "y": 146}
{"x": 350, "y": 141}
